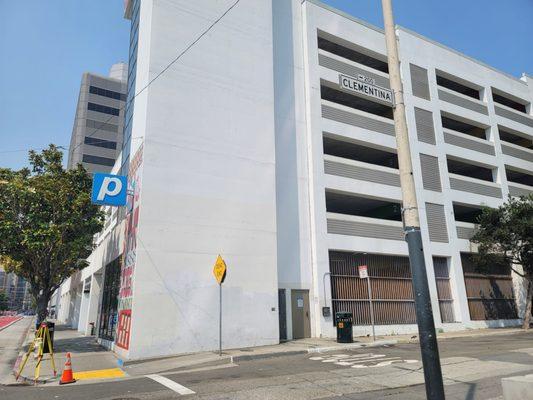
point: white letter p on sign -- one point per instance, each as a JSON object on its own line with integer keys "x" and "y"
{"x": 105, "y": 190}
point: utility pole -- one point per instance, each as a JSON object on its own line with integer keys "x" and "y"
{"x": 411, "y": 220}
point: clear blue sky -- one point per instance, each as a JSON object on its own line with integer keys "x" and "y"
{"x": 45, "y": 46}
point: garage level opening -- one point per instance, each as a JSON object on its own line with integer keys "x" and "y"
{"x": 516, "y": 138}
{"x": 350, "y": 51}
{"x": 466, "y": 213}
{"x": 457, "y": 85}
{"x": 518, "y": 176}
{"x": 358, "y": 152}
{"x": 348, "y": 204}
{"x": 510, "y": 101}
{"x": 460, "y": 125}
{"x": 461, "y": 167}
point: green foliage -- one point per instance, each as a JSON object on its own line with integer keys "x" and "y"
{"x": 47, "y": 221}
{"x": 505, "y": 236}
{"x": 4, "y": 301}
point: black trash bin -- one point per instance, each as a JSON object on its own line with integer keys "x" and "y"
{"x": 344, "y": 323}
{"x": 51, "y": 328}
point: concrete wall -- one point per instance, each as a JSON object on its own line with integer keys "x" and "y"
{"x": 208, "y": 183}
{"x": 292, "y": 168}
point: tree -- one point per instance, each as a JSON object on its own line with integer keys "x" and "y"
{"x": 505, "y": 236}
{"x": 47, "y": 223}
{"x": 4, "y": 301}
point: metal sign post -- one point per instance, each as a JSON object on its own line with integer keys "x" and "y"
{"x": 363, "y": 273}
{"x": 219, "y": 271}
{"x": 220, "y": 319}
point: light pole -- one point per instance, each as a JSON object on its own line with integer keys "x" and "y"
{"x": 411, "y": 221}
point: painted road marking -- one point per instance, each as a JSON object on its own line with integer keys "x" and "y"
{"x": 376, "y": 358}
{"x": 100, "y": 374}
{"x": 176, "y": 387}
{"x": 368, "y": 360}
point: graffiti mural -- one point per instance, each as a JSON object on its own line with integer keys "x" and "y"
{"x": 130, "y": 250}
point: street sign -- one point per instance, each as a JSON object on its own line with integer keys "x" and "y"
{"x": 109, "y": 189}
{"x": 219, "y": 270}
{"x": 366, "y": 85}
{"x": 363, "y": 274}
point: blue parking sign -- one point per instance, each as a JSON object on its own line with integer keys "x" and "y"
{"x": 109, "y": 189}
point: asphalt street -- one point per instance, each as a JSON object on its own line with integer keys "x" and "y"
{"x": 473, "y": 368}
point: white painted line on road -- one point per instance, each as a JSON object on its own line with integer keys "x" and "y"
{"x": 176, "y": 387}
{"x": 363, "y": 357}
{"x": 382, "y": 363}
{"x": 375, "y": 359}
{"x": 350, "y": 361}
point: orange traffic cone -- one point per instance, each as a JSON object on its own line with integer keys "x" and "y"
{"x": 66, "y": 376}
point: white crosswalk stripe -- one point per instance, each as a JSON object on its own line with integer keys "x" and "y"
{"x": 176, "y": 387}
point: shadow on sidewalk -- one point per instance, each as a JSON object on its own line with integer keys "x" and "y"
{"x": 82, "y": 344}
{"x": 70, "y": 340}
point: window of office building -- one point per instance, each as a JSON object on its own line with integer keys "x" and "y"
{"x": 98, "y": 160}
{"x": 107, "y": 144}
{"x": 107, "y": 93}
{"x": 103, "y": 109}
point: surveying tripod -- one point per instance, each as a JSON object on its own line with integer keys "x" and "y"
{"x": 42, "y": 335}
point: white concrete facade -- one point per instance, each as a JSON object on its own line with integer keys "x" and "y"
{"x": 232, "y": 160}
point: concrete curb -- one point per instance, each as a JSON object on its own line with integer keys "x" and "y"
{"x": 461, "y": 335}
{"x": 25, "y": 380}
{"x": 9, "y": 379}
{"x": 127, "y": 363}
{"x": 249, "y": 357}
{"x": 224, "y": 360}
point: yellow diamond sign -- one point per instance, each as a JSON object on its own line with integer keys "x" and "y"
{"x": 219, "y": 270}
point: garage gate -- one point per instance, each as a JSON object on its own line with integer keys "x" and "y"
{"x": 391, "y": 284}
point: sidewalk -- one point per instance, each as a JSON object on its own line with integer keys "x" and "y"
{"x": 89, "y": 359}
{"x": 11, "y": 339}
{"x": 92, "y": 362}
